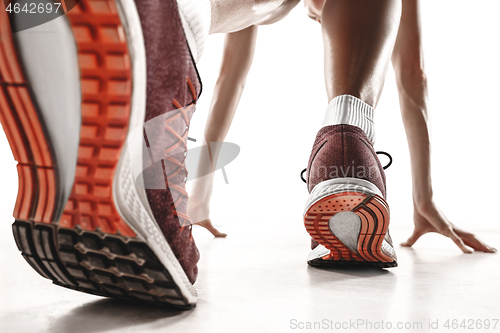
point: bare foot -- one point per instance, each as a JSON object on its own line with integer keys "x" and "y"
{"x": 207, "y": 224}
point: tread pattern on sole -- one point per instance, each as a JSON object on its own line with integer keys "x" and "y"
{"x": 106, "y": 82}
{"x": 97, "y": 263}
{"x": 374, "y": 214}
{"x": 36, "y": 197}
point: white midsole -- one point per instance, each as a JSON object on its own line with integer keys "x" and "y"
{"x": 131, "y": 200}
{"x": 339, "y": 185}
{"x": 319, "y": 252}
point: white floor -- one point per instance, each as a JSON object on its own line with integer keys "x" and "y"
{"x": 257, "y": 280}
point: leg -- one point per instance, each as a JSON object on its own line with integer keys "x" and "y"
{"x": 345, "y": 179}
{"x": 358, "y": 38}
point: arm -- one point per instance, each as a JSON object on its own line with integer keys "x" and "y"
{"x": 408, "y": 65}
{"x": 239, "y": 49}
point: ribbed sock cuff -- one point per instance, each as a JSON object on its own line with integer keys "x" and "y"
{"x": 196, "y": 16}
{"x": 349, "y": 110}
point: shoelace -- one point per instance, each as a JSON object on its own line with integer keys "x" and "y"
{"x": 181, "y": 140}
{"x": 378, "y": 152}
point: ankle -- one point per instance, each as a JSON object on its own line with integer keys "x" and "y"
{"x": 350, "y": 110}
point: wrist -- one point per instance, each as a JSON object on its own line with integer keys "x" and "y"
{"x": 423, "y": 202}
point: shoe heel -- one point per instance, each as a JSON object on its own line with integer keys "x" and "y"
{"x": 340, "y": 207}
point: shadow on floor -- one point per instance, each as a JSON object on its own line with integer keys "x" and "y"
{"x": 351, "y": 270}
{"x": 327, "y": 275}
{"x": 112, "y": 314}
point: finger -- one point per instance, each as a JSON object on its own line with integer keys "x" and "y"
{"x": 472, "y": 241}
{"x": 477, "y": 245}
{"x": 413, "y": 238}
{"x": 458, "y": 241}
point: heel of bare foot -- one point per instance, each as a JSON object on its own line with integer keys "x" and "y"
{"x": 207, "y": 224}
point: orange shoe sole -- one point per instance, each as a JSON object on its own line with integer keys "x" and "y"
{"x": 373, "y": 212}
{"x": 106, "y": 85}
{"x": 84, "y": 244}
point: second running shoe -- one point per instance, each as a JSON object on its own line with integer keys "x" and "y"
{"x": 346, "y": 213}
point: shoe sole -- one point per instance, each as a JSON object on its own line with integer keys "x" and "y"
{"x": 373, "y": 213}
{"x": 90, "y": 248}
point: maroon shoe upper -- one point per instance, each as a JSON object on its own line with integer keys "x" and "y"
{"x": 172, "y": 85}
{"x": 342, "y": 151}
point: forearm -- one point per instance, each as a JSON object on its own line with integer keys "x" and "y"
{"x": 413, "y": 101}
{"x": 236, "y": 62}
{"x": 239, "y": 49}
{"x": 408, "y": 63}
{"x": 227, "y": 94}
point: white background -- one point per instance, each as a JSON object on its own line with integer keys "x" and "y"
{"x": 283, "y": 105}
{"x": 284, "y": 101}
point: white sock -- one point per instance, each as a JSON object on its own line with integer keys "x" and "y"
{"x": 196, "y": 16}
{"x": 349, "y": 110}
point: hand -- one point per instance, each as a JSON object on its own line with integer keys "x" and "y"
{"x": 432, "y": 220}
{"x": 207, "y": 224}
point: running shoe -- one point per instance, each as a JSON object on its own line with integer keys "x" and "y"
{"x": 96, "y": 106}
{"x": 346, "y": 213}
